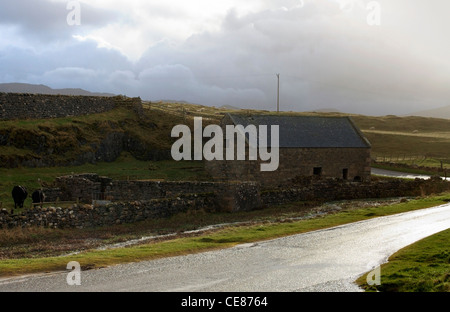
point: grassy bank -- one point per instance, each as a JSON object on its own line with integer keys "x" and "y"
{"x": 223, "y": 238}
{"x": 420, "y": 267}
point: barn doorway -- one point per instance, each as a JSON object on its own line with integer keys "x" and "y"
{"x": 317, "y": 171}
{"x": 345, "y": 174}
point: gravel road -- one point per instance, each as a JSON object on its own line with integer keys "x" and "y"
{"x": 325, "y": 260}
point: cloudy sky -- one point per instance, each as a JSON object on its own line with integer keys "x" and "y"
{"x": 371, "y": 57}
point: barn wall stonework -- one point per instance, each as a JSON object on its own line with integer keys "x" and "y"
{"x": 297, "y": 162}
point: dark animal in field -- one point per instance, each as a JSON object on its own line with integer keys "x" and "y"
{"x": 19, "y": 194}
{"x": 38, "y": 197}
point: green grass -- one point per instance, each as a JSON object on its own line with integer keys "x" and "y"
{"x": 412, "y": 140}
{"x": 224, "y": 238}
{"x": 421, "y": 267}
{"x": 392, "y": 144}
{"x": 411, "y": 124}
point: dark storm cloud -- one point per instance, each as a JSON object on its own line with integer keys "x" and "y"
{"x": 325, "y": 61}
{"x": 327, "y": 57}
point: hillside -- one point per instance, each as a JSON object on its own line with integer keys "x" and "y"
{"x": 75, "y": 141}
{"x": 103, "y": 137}
{"x": 441, "y": 112}
{"x": 414, "y": 140}
{"x": 42, "y": 89}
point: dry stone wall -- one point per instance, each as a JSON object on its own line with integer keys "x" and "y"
{"x": 139, "y": 200}
{"x": 87, "y": 187}
{"x": 153, "y": 199}
{"x": 43, "y": 106}
{"x": 88, "y": 216}
{"x": 335, "y": 189}
{"x": 38, "y": 106}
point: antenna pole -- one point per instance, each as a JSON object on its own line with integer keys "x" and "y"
{"x": 278, "y": 94}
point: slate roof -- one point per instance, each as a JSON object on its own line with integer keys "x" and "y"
{"x": 308, "y": 131}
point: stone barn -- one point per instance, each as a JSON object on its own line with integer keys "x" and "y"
{"x": 309, "y": 146}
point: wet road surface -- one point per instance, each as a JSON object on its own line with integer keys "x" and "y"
{"x": 398, "y": 174}
{"x": 325, "y": 260}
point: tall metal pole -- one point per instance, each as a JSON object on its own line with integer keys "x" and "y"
{"x": 278, "y": 94}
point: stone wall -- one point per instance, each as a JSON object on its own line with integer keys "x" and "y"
{"x": 88, "y": 216}
{"x": 174, "y": 197}
{"x": 42, "y": 106}
{"x": 295, "y": 162}
{"x": 86, "y": 188}
{"x": 138, "y": 200}
{"x": 335, "y": 189}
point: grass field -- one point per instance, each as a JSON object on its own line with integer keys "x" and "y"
{"x": 415, "y": 141}
{"x": 420, "y": 267}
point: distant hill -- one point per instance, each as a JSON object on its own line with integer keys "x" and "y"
{"x": 327, "y": 110}
{"x": 42, "y": 89}
{"x": 230, "y": 107}
{"x": 442, "y": 112}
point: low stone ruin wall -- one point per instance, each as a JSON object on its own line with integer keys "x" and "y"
{"x": 101, "y": 201}
{"x": 89, "y": 216}
{"x": 157, "y": 199}
{"x": 333, "y": 189}
{"x": 85, "y": 188}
